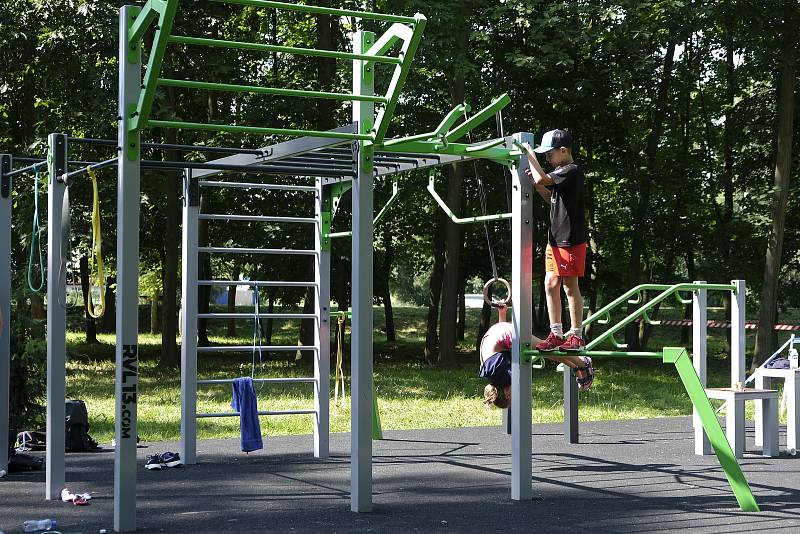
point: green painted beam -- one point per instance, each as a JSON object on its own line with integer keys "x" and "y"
{"x": 600, "y": 354}
{"x": 407, "y": 52}
{"x": 256, "y": 130}
{"x": 209, "y": 86}
{"x": 200, "y": 41}
{"x": 450, "y": 119}
{"x": 479, "y": 118}
{"x": 501, "y": 155}
{"x": 733, "y": 472}
{"x": 320, "y": 10}
{"x": 145, "y": 18}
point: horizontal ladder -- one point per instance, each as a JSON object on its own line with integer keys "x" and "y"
{"x": 244, "y": 250}
{"x": 249, "y": 348}
{"x": 260, "y": 316}
{"x": 255, "y": 218}
{"x": 247, "y": 185}
{"x": 259, "y": 283}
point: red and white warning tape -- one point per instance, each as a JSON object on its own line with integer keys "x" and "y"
{"x": 724, "y": 324}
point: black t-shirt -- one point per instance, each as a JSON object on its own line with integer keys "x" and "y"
{"x": 567, "y": 219}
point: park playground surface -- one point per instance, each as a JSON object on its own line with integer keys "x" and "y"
{"x": 625, "y": 476}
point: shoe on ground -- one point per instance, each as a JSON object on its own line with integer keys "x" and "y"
{"x": 573, "y": 343}
{"x": 154, "y": 463}
{"x": 171, "y": 459}
{"x": 550, "y": 343}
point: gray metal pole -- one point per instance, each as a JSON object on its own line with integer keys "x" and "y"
{"x": 127, "y": 356}
{"x": 56, "y": 318}
{"x": 361, "y": 334}
{"x": 522, "y": 319}
{"x": 5, "y": 305}
{"x": 699, "y": 358}
{"x": 570, "y": 406}
{"x": 191, "y": 208}
{"x": 322, "y": 334}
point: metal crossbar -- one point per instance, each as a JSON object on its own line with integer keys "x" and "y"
{"x": 200, "y": 41}
{"x": 321, "y": 10}
{"x": 257, "y": 130}
{"x": 275, "y": 412}
{"x": 244, "y": 250}
{"x": 255, "y": 218}
{"x": 288, "y": 380}
{"x": 237, "y": 88}
{"x": 260, "y": 316}
{"x": 249, "y": 185}
{"x": 259, "y": 283}
{"x": 249, "y": 348}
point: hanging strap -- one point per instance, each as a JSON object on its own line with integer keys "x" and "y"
{"x": 64, "y": 253}
{"x": 97, "y": 270}
{"x": 36, "y": 242}
{"x": 339, "y": 373}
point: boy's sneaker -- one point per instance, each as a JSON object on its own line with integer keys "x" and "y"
{"x": 572, "y": 344}
{"x": 171, "y": 459}
{"x": 154, "y": 463}
{"x": 550, "y": 343}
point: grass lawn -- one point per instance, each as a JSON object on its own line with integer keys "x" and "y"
{"x": 412, "y": 393}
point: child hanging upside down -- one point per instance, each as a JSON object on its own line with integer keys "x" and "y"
{"x": 495, "y": 356}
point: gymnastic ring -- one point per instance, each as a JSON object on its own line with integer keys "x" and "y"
{"x": 494, "y": 302}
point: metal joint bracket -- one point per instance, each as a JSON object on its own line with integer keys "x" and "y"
{"x": 5, "y": 179}
{"x": 60, "y": 158}
{"x": 192, "y": 187}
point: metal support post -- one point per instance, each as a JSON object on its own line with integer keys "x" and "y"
{"x": 189, "y": 288}
{"x": 361, "y": 333}
{"x": 571, "y": 400}
{"x": 57, "y": 257}
{"x": 507, "y": 420}
{"x": 127, "y": 354}
{"x": 735, "y": 416}
{"x": 702, "y": 445}
{"x": 5, "y": 305}
{"x": 322, "y": 333}
{"x": 522, "y": 320}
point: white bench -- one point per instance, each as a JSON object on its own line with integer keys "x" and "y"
{"x": 767, "y": 417}
{"x": 791, "y": 392}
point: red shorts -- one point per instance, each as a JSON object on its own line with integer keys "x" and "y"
{"x": 565, "y": 261}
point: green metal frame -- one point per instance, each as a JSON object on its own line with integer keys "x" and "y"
{"x": 376, "y": 220}
{"x": 449, "y": 212}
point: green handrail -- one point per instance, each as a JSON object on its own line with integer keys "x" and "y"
{"x": 211, "y": 86}
{"x": 200, "y": 41}
{"x": 452, "y": 216}
{"x": 666, "y": 291}
{"x": 320, "y": 10}
{"x": 479, "y": 118}
{"x": 599, "y": 354}
{"x": 257, "y": 130}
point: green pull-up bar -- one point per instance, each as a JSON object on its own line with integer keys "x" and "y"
{"x": 453, "y": 217}
{"x": 320, "y": 10}
{"x": 236, "y": 88}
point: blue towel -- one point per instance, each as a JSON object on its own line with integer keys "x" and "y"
{"x": 244, "y": 402}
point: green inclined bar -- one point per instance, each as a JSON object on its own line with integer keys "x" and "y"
{"x": 256, "y": 130}
{"x": 210, "y": 86}
{"x": 146, "y": 17}
{"x": 733, "y": 472}
{"x": 199, "y": 41}
{"x": 320, "y": 10}
{"x": 479, "y": 118}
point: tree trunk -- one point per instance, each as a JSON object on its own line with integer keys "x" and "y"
{"x": 90, "y": 325}
{"x": 154, "y": 313}
{"x": 592, "y": 253}
{"x": 108, "y": 323}
{"x": 766, "y": 339}
{"x": 170, "y": 356}
{"x": 267, "y": 334}
{"x": 483, "y": 325}
{"x": 448, "y": 313}
{"x": 386, "y": 297}
{"x": 462, "y": 313}
{"x": 435, "y": 289}
{"x": 232, "y": 302}
{"x": 643, "y": 192}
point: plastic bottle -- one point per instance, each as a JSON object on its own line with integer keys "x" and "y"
{"x": 36, "y": 525}
{"x": 793, "y": 360}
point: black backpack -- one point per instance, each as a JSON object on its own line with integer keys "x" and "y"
{"x": 76, "y": 436}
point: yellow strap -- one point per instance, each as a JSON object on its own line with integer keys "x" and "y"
{"x": 97, "y": 270}
{"x": 339, "y": 374}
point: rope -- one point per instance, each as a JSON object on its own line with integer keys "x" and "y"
{"x": 339, "y": 373}
{"x": 36, "y": 242}
{"x": 482, "y": 197}
{"x": 98, "y": 277}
